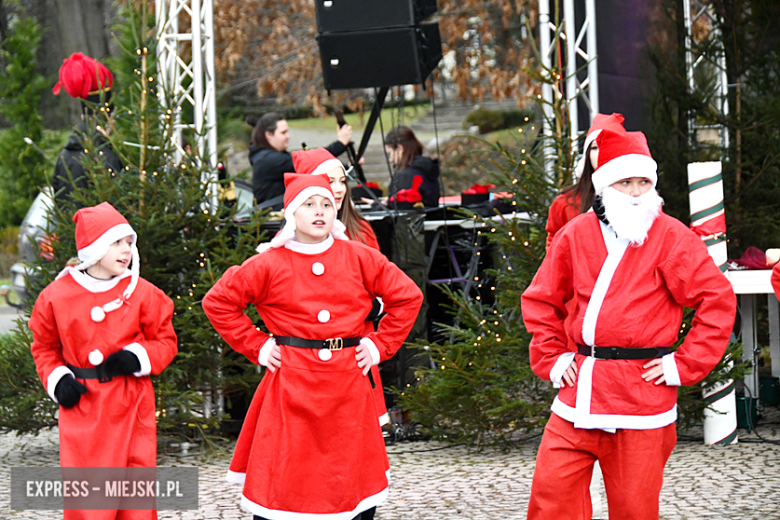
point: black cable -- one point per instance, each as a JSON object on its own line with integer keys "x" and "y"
{"x": 751, "y": 426}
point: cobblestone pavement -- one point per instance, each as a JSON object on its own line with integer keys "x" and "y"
{"x": 733, "y": 482}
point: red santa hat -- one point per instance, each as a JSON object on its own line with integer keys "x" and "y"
{"x": 623, "y": 155}
{"x": 315, "y": 161}
{"x": 96, "y": 229}
{"x": 297, "y": 190}
{"x": 601, "y": 122}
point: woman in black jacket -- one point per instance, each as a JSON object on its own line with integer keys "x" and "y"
{"x": 270, "y": 159}
{"x": 405, "y": 152}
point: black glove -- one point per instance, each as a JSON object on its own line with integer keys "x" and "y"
{"x": 122, "y": 363}
{"x": 68, "y": 391}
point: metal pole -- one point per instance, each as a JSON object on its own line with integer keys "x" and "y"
{"x": 571, "y": 66}
{"x": 593, "y": 66}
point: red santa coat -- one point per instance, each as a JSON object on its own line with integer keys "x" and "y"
{"x": 625, "y": 296}
{"x": 776, "y": 279}
{"x": 114, "y": 423}
{"x": 311, "y": 446}
{"x": 561, "y": 211}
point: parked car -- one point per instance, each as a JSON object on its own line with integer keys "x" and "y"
{"x": 32, "y": 237}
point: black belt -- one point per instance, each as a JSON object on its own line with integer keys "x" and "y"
{"x": 98, "y": 373}
{"x": 622, "y": 353}
{"x": 330, "y": 343}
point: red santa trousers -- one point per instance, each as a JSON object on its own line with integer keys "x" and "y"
{"x": 632, "y": 462}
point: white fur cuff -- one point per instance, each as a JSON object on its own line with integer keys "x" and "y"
{"x": 671, "y": 375}
{"x": 265, "y": 351}
{"x": 143, "y": 357}
{"x": 54, "y": 378}
{"x": 560, "y": 366}
{"x": 371, "y": 346}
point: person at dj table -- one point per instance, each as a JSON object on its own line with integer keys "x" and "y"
{"x": 270, "y": 159}
{"x": 629, "y": 270}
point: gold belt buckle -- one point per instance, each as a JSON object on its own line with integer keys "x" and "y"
{"x": 335, "y": 343}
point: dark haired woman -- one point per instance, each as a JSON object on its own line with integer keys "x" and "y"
{"x": 270, "y": 159}
{"x": 578, "y": 198}
{"x": 406, "y": 155}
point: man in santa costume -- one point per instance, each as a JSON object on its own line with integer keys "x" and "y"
{"x": 629, "y": 269}
{"x": 311, "y": 446}
{"x": 99, "y": 331}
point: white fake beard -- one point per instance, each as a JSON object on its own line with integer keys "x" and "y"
{"x": 631, "y": 217}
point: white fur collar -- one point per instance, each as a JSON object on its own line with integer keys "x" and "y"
{"x": 309, "y": 249}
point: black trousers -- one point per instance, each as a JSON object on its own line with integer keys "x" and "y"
{"x": 365, "y": 515}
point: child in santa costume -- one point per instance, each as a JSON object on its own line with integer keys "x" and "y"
{"x": 578, "y": 198}
{"x": 319, "y": 161}
{"x": 99, "y": 331}
{"x": 311, "y": 446}
{"x": 629, "y": 270}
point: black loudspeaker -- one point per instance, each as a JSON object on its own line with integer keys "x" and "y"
{"x": 354, "y": 15}
{"x": 380, "y": 58}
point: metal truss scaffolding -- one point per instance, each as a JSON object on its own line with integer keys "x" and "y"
{"x": 186, "y": 73}
{"x": 586, "y": 89}
{"x": 705, "y": 63}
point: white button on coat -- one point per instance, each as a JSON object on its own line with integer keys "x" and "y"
{"x": 325, "y": 354}
{"x": 97, "y": 314}
{"x": 317, "y": 268}
{"x": 323, "y": 316}
{"x": 96, "y": 357}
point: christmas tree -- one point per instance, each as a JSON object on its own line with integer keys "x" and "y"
{"x": 186, "y": 242}
{"x": 480, "y": 388}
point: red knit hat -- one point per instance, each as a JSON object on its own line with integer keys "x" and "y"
{"x": 315, "y": 161}
{"x": 96, "y": 229}
{"x": 601, "y": 122}
{"x": 298, "y": 187}
{"x": 82, "y": 77}
{"x": 623, "y": 155}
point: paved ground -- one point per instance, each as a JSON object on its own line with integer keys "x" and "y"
{"x": 734, "y": 482}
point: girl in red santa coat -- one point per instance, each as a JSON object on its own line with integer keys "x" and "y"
{"x": 629, "y": 270}
{"x": 319, "y": 161}
{"x": 99, "y": 330}
{"x": 578, "y": 198}
{"x": 313, "y": 448}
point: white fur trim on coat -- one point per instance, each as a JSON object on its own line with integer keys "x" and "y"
{"x": 54, "y": 378}
{"x": 235, "y": 478}
{"x": 143, "y": 358}
{"x": 560, "y": 366}
{"x": 371, "y": 346}
{"x": 275, "y": 514}
{"x": 671, "y": 375}
{"x": 616, "y": 248}
{"x": 265, "y": 351}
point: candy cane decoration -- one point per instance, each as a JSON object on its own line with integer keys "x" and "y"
{"x": 708, "y": 220}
